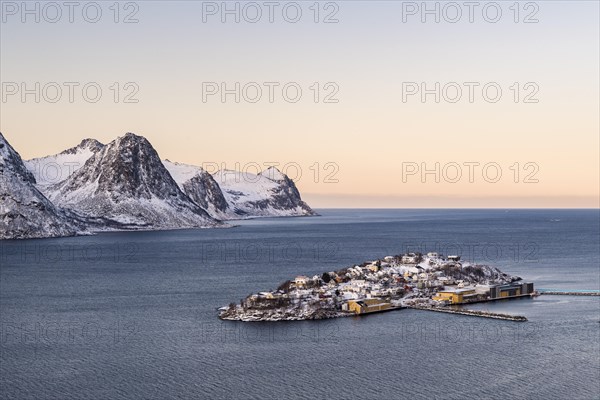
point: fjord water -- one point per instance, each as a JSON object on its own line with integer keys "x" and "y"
{"x": 133, "y": 314}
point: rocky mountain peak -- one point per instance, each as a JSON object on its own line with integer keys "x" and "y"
{"x": 274, "y": 174}
{"x": 131, "y": 166}
{"x": 91, "y": 145}
{"x": 126, "y": 181}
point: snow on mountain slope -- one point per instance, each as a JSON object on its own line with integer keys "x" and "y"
{"x": 273, "y": 174}
{"x": 268, "y": 194}
{"x": 124, "y": 185}
{"x": 127, "y": 182}
{"x": 25, "y": 212}
{"x": 54, "y": 169}
{"x": 201, "y": 187}
{"x": 234, "y": 195}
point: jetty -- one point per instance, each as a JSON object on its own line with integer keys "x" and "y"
{"x": 569, "y": 292}
{"x": 473, "y": 313}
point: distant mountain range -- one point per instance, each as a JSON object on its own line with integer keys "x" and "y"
{"x": 124, "y": 185}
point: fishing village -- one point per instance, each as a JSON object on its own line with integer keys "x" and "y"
{"x": 431, "y": 282}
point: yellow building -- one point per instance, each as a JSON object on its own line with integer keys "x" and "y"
{"x": 454, "y": 296}
{"x": 444, "y": 296}
{"x": 365, "y": 306}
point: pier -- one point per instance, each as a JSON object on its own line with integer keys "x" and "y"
{"x": 569, "y": 292}
{"x": 473, "y": 313}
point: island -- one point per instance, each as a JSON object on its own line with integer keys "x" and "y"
{"x": 429, "y": 281}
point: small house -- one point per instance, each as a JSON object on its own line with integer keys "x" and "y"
{"x": 301, "y": 281}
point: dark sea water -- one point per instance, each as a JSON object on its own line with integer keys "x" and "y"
{"x": 133, "y": 315}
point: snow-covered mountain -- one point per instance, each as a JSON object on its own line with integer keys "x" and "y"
{"x": 234, "y": 195}
{"x": 270, "y": 193}
{"x": 125, "y": 181}
{"x": 25, "y": 212}
{"x": 125, "y": 185}
{"x": 51, "y": 170}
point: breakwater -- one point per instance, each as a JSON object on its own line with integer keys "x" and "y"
{"x": 569, "y": 292}
{"x": 473, "y": 313}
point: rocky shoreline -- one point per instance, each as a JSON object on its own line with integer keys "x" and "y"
{"x": 265, "y": 315}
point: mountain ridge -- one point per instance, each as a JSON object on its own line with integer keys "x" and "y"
{"x": 125, "y": 185}
{"x": 126, "y": 182}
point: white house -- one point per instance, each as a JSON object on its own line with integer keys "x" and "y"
{"x": 301, "y": 280}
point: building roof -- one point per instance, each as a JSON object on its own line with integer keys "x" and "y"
{"x": 457, "y": 290}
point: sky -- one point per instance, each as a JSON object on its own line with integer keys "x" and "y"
{"x": 365, "y": 104}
